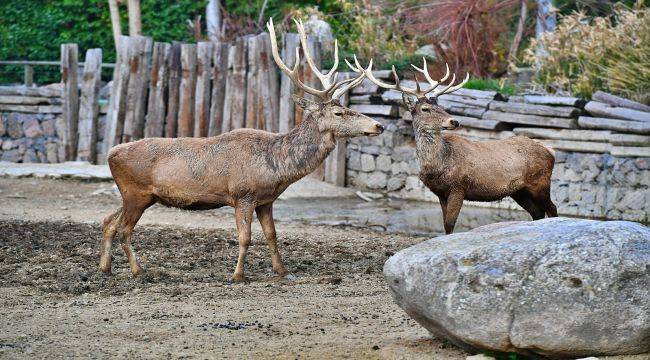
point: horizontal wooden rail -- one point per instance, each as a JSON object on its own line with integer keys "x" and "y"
{"x": 45, "y": 63}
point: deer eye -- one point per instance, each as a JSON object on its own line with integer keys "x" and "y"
{"x": 338, "y": 112}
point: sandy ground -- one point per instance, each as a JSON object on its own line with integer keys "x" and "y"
{"x": 56, "y": 304}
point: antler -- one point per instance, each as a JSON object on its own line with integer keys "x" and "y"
{"x": 417, "y": 92}
{"x": 331, "y": 89}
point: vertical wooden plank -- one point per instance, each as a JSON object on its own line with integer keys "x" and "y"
{"x": 29, "y": 75}
{"x": 269, "y": 95}
{"x": 136, "y": 95}
{"x": 335, "y": 162}
{"x": 89, "y": 106}
{"x": 219, "y": 72}
{"x": 202, "y": 97}
{"x": 187, "y": 91}
{"x": 310, "y": 78}
{"x": 252, "y": 85}
{"x": 69, "y": 78}
{"x": 287, "y": 113}
{"x": 173, "y": 98}
{"x": 158, "y": 79}
{"x": 235, "y": 101}
{"x": 117, "y": 106}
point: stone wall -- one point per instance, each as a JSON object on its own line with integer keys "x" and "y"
{"x": 30, "y": 138}
{"x": 587, "y": 183}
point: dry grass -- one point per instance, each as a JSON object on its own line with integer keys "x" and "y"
{"x": 603, "y": 53}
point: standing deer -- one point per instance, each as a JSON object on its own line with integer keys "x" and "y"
{"x": 245, "y": 168}
{"x": 456, "y": 169}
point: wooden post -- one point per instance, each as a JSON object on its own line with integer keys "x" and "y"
{"x": 29, "y": 75}
{"x": 175, "y": 74}
{"x": 89, "y": 106}
{"x": 269, "y": 95}
{"x": 136, "y": 98}
{"x": 117, "y": 107}
{"x": 219, "y": 72}
{"x": 252, "y": 86}
{"x": 287, "y": 107}
{"x": 202, "y": 98}
{"x": 158, "y": 77}
{"x": 69, "y": 68}
{"x": 235, "y": 101}
{"x": 287, "y": 88}
{"x": 335, "y": 162}
{"x": 187, "y": 91}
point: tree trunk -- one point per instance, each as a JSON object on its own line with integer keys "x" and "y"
{"x": 213, "y": 20}
{"x": 135, "y": 23}
{"x": 115, "y": 21}
{"x": 519, "y": 34}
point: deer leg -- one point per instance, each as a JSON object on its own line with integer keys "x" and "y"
{"x": 525, "y": 200}
{"x": 265, "y": 217}
{"x": 131, "y": 214}
{"x": 454, "y": 203}
{"x": 544, "y": 202}
{"x": 109, "y": 231}
{"x": 243, "y": 218}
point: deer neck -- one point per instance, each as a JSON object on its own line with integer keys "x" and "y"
{"x": 300, "y": 151}
{"x": 431, "y": 149}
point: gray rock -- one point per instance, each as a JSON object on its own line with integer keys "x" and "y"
{"x": 3, "y": 125}
{"x": 7, "y": 144}
{"x": 404, "y": 153}
{"x": 371, "y": 149}
{"x": 11, "y": 156}
{"x": 395, "y": 183}
{"x": 367, "y": 162}
{"x": 354, "y": 161}
{"x": 426, "y": 50}
{"x": 383, "y": 163}
{"x": 376, "y": 180}
{"x": 48, "y": 128}
{"x": 32, "y": 128}
{"x": 15, "y": 125}
{"x": 30, "y": 156}
{"x": 555, "y": 287}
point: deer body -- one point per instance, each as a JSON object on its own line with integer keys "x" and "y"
{"x": 456, "y": 169}
{"x": 246, "y": 169}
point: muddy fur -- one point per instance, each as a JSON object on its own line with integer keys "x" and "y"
{"x": 245, "y": 168}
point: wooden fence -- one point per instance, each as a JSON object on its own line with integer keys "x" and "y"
{"x": 186, "y": 90}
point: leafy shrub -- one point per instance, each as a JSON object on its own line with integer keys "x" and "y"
{"x": 606, "y": 53}
{"x": 491, "y": 84}
{"x": 35, "y": 30}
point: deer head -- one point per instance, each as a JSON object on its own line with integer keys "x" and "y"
{"x": 426, "y": 113}
{"x": 331, "y": 116}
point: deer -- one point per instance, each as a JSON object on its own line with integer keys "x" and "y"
{"x": 457, "y": 169}
{"x": 246, "y": 169}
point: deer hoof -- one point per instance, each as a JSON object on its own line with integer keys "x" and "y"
{"x": 238, "y": 278}
{"x": 281, "y": 271}
{"x": 137, "y": 271}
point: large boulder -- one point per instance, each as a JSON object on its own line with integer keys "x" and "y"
{"x": 556, "y": 287}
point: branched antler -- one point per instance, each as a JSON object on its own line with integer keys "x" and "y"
{"x": 417, "y": 92}
{"x": 331, "y": 88}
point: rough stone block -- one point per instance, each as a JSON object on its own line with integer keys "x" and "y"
{"x": 367, "y": 162}
{"x": 32, "y": 128}
{"x": 383, "y": 163}
{"x": 48, "y": 128}
{"x": 404, "y": 153}
{"x": 3, "y": 125}
{"x": 395, "y": 183}
{"x": 15, "y": 126}
{"x": 11, "y": 156}
{"x": 354, "y": 160}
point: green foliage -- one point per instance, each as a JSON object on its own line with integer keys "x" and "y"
{"x": 35, "y": 29}
{"x": 490, "y": 84}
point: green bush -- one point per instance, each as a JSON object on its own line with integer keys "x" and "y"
{"x": 490, "y": 84}
{"x": 35, "y": 30}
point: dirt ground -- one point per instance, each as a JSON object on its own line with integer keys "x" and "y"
{"x": 56, "y": 303}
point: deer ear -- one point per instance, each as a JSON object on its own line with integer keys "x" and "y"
{"x": 409, "y": 103}
{"x": 304, "y": 103}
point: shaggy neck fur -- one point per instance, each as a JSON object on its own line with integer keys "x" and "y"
{"x": 301, "y": 150}
{"x": 431, "y": 148}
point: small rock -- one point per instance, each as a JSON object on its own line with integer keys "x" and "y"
{"x": 32, "y": 128}
{"x": 367, "y": 162}
{"x": 12, "y": 156}
{"x": 48, "y": 128}
{"x": 15, "y": 126}
{"x": 383, "y": 163}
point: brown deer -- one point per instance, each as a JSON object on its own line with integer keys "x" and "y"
{"x": 245, "y": 168}
{"x": 456, "y": 169}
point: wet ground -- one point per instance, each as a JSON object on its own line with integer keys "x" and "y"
{"x": 57, "y": 304}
